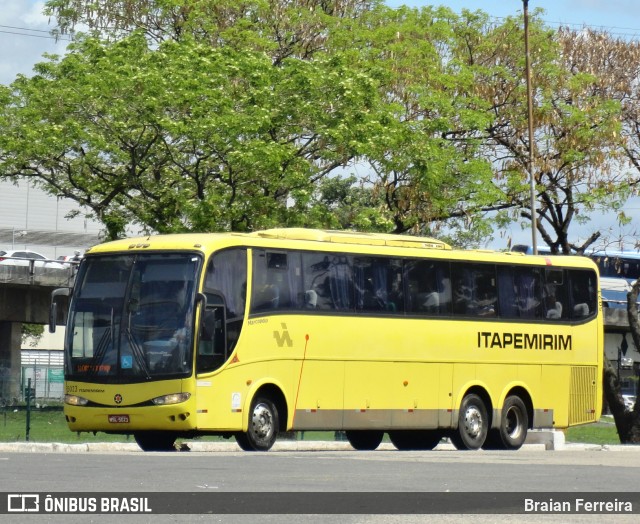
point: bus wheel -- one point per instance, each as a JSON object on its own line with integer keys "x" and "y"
{"x": 406, "y": 440}
{"x": 364, "y": 440}
{"x": 473, "y": 424}
{"x": 155, "y": 440}
{"x": 263, "y": 426}
{"x": 514, "y": 422}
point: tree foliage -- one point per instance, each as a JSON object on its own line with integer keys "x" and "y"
{"x": 32, "y": 334}
{"x": 216, "y": 114}
{"x": 279, "y": 28}
{"x": 234, "y": 144}
{"x": 575, "y": 128}
{"x": 427, "y": 171}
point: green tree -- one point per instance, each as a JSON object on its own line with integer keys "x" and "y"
{"x": 575, "y": 129}
{"x": 446, "y": 151}
{"x": 424, "y": 170}
{"x": 616, "y": 64}
{"x": 280, "y": 28}
{"x": 32, "y": 334}
{"x": 185, "y": 136}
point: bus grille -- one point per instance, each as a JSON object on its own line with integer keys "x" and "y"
{"x": 582, "y": 401}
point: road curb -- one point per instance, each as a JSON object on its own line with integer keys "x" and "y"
{"x": 280, "y": 446}
{"x": 537, "y": 440}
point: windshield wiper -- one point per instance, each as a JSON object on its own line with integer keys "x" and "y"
{"x": 101, "y": 348}
{"x": 138, "y": 353}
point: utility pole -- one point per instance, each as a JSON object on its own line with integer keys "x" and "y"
{"x": 532, "y": 180}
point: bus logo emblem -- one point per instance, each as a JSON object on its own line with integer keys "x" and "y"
{"x": 117, "y": 398}
{"x": 283, "y": 338}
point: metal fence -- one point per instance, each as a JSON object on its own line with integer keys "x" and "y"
{"x": 44, "y": 368}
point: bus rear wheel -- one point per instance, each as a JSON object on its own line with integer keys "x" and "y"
{"x": 473, "y": 424}
{"x": 364, "y": 440}
{"x": 514, "y": 422}
{"x": 263, "y": 426}
{"x": 407, "y": 440}
{"x": 155, "y": 440}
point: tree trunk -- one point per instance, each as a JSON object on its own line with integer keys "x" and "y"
{"x": 627, "y": 422}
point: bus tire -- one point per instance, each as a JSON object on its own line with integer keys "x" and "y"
{"x": 473, "y": 424}
{"x": 155, "y": 440}
{"x": 263, "y": 426}
{"x": 514, "y": 421}
{"x": 417, "y": 440}
{"x": 364, "y": 440}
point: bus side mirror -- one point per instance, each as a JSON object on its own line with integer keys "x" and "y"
{"x": 53, "y": 315}
{"x": 209, "y": 321}
{"x": 53, "y": 309}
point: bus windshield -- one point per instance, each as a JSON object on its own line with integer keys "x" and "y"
{"x": 132, "y": 318}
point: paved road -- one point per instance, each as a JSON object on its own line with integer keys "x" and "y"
{"x": 290, "y": 468}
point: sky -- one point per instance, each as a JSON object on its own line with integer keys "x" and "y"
{"x": 24, "y": 29}
{"x": 24, "y": 38}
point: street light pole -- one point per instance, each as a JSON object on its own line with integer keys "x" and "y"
{"x": 532, "y": 181}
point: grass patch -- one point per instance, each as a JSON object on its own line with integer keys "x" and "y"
{"x": 603, "y": 432}
{"x": 46, "y": 426}
{"x": 51, "y": 426}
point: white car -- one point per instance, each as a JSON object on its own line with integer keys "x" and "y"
{"x": 626, "y": 363}
{"x": 23, "y": 257}
{"x": 68, "y": 260}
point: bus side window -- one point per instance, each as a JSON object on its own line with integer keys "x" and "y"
{"x": 555, "y": 295}
{"x": 226, "y": 278}
{"x": 378, "y": 285}
{"x": 583, "y": 293}
{"x": 508, "y": 292}
{"x": 212, "y": 351}
{"x": 529, "y": 293}
{"x": 277, "y": 281}
{"x": 521, "y": 293}
{"x": 428, "y": 287}
{"x": 474, "y": 290}
{"x": 330, "y": 277}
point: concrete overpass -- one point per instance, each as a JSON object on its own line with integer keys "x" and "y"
{"x": 25, "y": 296}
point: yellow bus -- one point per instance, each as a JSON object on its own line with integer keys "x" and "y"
{"x": 249, "y": 335}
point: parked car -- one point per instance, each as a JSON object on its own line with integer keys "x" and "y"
{"x": 71, "y": 260}
{"x": 22, "y": 258}
{"x": 626, "y": 363}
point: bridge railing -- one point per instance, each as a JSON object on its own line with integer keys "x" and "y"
{"x": 27, "y": 271}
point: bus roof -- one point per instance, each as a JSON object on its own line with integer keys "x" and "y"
{"x": 632, "y": 255}
{"x": 352, "y": 237}
{"x": 283, "y": 238}
{"x": 196, "y": 240}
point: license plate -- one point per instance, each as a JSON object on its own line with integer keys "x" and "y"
{"x": 118, "y": 419}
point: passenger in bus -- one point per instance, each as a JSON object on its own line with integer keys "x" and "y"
{"x": 436, "y": 297}
{"x": 266, "y": 297}
{"x": 486, "y": 309}
{"x": 477, "y": 300}
{"x": 554, "y": 308}
{"x": 310, "y": 299}
{"x": 581, "y": 310}
{"x": 429, "y": 302}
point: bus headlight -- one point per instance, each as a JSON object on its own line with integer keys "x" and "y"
{"x": 174, "y": 398}
{"x": 75, "y": 400}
